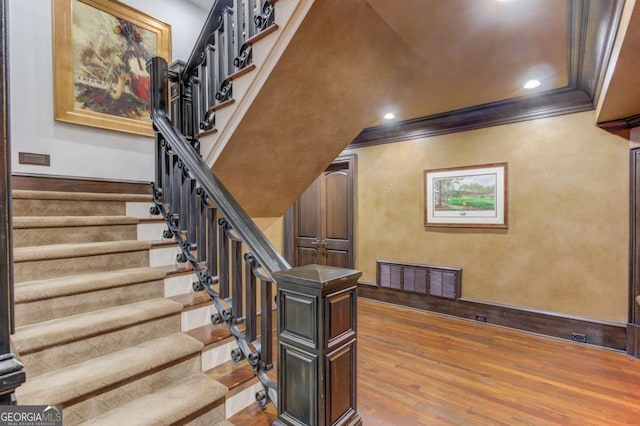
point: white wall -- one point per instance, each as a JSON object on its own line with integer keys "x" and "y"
{"x": 78, "y": 150}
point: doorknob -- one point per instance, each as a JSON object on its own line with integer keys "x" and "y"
{"x": 319, "y": 245}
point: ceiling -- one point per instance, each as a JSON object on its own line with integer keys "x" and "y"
{"x": 483, "y": 50}
{"x": 622, "y": 98}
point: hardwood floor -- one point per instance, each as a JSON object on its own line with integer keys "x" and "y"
{"x": 416, "y": 368}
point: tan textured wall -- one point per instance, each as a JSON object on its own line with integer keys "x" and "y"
{"x": 273, "y": 228}
{"x": 566, "y": 249}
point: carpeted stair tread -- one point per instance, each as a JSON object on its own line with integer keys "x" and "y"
{"x": 62, "y": 251}
{"x": 28, "y": 291}
{"x": 107, "y": 371}
{"x": 34, "y": 337}
{"x": 25, "y": 222}
{"x": 85, "y": 196}
{"x": 167, "y": 406}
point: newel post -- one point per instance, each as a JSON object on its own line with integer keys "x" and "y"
{"x": 317, "y": 346}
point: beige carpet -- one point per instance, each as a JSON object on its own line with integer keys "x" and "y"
{"x": 93, "y": 330}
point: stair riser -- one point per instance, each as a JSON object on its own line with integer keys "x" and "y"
{"x": 179, "y": 284}
{"x": 212, "y": 416}
{"x": 35, "y": 207}
{"x": 62, "y": 355}
{"x": 77, "y": 234}
{"x": 92, "y": 405}
{"x": 198, "y": 317}
{"x": 164, "y": 256}
{"x": 218, "y": 355}
{"x": 151, "y": 231}
{"x": 242, "y": 399}
{"x": 52, "y": 268}
{"x": 57, "y": 307}
{"x": 141, "y": 210}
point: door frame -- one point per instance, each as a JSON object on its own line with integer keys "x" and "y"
{"x": 290, "y": 216}
{"x": 633, "y": 326}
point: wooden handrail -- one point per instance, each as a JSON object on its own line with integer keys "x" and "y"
{"x": 251, "y": 235}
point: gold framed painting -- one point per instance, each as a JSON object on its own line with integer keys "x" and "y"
{"x": 467, "y": 197}
{"x": 100, "y": 50}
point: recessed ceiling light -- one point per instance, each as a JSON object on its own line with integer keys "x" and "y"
{"x": 389, "y": 116}
{"x": 532, "y": 84}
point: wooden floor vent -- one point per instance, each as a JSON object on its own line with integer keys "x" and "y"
{"x": 430, "y": 280}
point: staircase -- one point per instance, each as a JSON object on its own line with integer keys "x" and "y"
{"x": 110, "y": 327}
{"x": 107, "y": 323}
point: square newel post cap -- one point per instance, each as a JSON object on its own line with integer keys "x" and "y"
{"x": 317, "y": 277}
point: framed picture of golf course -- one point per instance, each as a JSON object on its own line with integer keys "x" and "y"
{"x": 471, "y": 196}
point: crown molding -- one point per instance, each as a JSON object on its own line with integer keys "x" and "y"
{"x": 592, "y": 30}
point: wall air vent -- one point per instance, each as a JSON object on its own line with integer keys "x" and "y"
{"x": 430, "y": 280}
{"x": 34, "y": 159}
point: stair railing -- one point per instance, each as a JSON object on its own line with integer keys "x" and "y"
{"x": 223, "y": 50}
{"x": 211, "y": 229}
{"x": 316, "y": 304}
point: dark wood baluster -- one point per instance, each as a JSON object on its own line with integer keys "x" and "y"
{"x": 238, "y": 25}
{"x": 159, "y": 158}
{"x": 194, "y": 201}
{"x": 212, "y": 240}
{"x": 184, "y": 202}
{"x": 217, "y": 60}
{"x": 196, "y": 104}
{"x": 166, "y": 175}
{"x": 224, "y": 260}
{"x": 175, "y": 185}
{"x": 188, "y": 106}
{"x": 266, "y": 337}
{"x": 212, "y": 85}
{"x": 252, "y": 306}
{"x": 204, "y": 99}
{"x": 227, "y": 44}
{"x": 249, "y": 14}
{"x": 236, "y": 279}
{"x": 202, "y": 229}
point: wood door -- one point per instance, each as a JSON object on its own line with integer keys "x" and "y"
{"x": 323, "y": 219}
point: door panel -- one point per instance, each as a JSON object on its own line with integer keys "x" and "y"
{"x": 337, "y": 205}
{"x": 306, "y": 256}
{"x": 338, "y": 259}
{"x": 308, "y": 211}
{"x": 322, "y": 225}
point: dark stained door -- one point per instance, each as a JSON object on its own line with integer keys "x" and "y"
{"x": 323, "y": 219}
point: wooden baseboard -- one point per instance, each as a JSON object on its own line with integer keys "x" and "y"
{"x": 72, "y": 184}
{"x": 633, "y": 340}
{"x": 600, "y": 333}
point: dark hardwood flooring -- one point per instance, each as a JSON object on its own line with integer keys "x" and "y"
{"x": 416, "y": 368}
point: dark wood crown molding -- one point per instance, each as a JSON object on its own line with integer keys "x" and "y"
{"x": 621, "y": 124}
{"x": 554, "y": 102}
{"x": 592, "y": 30}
